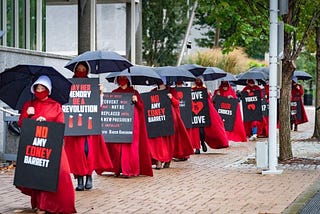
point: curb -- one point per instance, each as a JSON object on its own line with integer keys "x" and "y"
{"x": 302, "y": 200}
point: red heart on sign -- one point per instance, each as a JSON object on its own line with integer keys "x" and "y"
{"x": 251, "y": 106}
{"x": 197, "y": 107}
{"x": 180, "y": 95}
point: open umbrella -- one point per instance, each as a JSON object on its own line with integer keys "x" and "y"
{"x": 140, "y": 75}
{"x": 213, "y": 73}
{"x": 174, "y": 74}
{"x": 302, "y": 75}
{"x": 253, "y": 73}
{"x": 228, "y": 77}
{"x": 101, "y": 61}
{"x": 243, "y": 80}
{"x": 15, "y": 84}
{"x": 195, "y": 69}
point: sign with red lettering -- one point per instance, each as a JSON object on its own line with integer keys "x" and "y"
{"x": 200, "y": 108}
{"x": 82, "y": 112}
{"x": 117, "y": 117}
{"x": 227, "y": 109}
{"x": 184, "y": 96}
{"x": 295, "y": 110}
{"x": 158, "y": 112}
{"x": 39, "y": 154}
{"x": 251, "y": 106}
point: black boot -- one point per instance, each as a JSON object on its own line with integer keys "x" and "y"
{"x": 204, "y": 146}
{"x": 88, "y": 182}
{"x": 80, "y": 186}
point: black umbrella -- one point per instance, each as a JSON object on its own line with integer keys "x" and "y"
{"x": 139, "y": 75}
{"x": 253, "y": 73}
{"x": 228, "y": 77}
{"x": 101, "y": 62}
{"x": 302, "y": 75}
{"x": 15, "y": 84}
{"x": 174, "y": 74}
{"x": 195, "y": 69}
{"x": 213, "y": 73}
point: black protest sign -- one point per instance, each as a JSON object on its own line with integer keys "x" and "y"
{"x": 158, "y": 113}
{"x": 264, "y": 107}
{"x": 82, "y": 112}
{"x": 227, "y": 108}
{"x": 264, "y": 104}
{"x": 117, "y": 117}
{"x": 39, "y": 155}
{"x": 296, "y": 111}
{"x": 184, "y": 96}
{"x": 251, "y": 106}
{"x": 200, "y": 108}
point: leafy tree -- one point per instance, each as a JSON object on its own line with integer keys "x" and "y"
{"x": 241, "y": 23}
{"x": 316, "y": 133}
{"x": 164, "y": 25}
{"x": 298, "y": 21}
{"x": 246, "y": 23}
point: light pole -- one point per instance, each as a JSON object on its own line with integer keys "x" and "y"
{"x": 273, "y": 66}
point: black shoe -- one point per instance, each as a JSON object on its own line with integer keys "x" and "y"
{"x": 80, "y": 186}
{"x": 88, "y": 182}
{"x": 204, "y": 147}
{"x": 166, "y": 164}
{"x": 197, "y": 152}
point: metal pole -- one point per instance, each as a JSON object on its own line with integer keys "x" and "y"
{"x": 187, "y": 33}
{"x": 133, "y": 32}
{"x": 273, "y": 59}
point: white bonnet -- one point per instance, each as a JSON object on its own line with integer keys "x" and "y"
{"x": 43, "y": 80}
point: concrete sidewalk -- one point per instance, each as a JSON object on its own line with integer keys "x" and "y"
{"x": 217, "y": 181}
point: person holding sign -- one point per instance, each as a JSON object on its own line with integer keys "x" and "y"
{"x": 238, "y": 134}
{"x": 178, "y": 145}
{"x": 214, "y": 134}
{"x": 263, "y": 126}
{"x": 298, "y": 112}
{"x": 251, "y": 127}
{"x": 132, "y": 159}
{"x": 86, "y": 153}
{"x": 43, "y": 108}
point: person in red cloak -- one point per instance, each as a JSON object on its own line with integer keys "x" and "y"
{"x": 263, "y": 126}
{"x": 165, "y": 148}
{"x": 179, "y": 154}
{"x": 132, "y": 159}
{"x": 251, "y": 127}
{"x": 86, "y": 153}
{"x": 297, "y": 92}
{"x": 215, "y": 134}
{"x": 238, "y": 134}
{"x": 43, "y": 108}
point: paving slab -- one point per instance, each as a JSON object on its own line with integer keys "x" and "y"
{"x": 217, "y": 181}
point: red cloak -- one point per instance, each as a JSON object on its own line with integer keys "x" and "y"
{"x": 177, "y": 145}
{"x": 97, "y": 158}
{"x": 133, "y": 159}
{"x": 215, "y": 134}
{"x": 63, "y": 200}
{"x": 297, "y": 92}
{"x": 249, "y": 125}
{"x": 238, "y": 134}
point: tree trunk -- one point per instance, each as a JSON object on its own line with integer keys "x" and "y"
{"x": 83, "y": 26}
{"x": 284, "y": 110}
{"x": 316, "y": 133}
